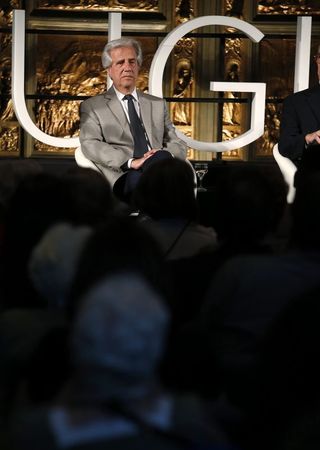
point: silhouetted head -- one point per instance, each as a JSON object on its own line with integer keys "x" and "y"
{"x": 118, "y": 336}
{"x": 88, "y": 196}
{"x": 53, "y": 262}
{"x": 166, "y": 190}
{"x": 249, "y": 204}
{"x": 121, "y": 244}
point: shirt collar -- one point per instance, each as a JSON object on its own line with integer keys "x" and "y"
{"x": 120, "y": 95}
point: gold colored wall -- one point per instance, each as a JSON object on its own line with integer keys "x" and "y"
{"x": 64, "y": 39}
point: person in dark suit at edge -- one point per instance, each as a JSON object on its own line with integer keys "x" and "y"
{"x": 107, "y": 133}
{"x": 300, "y": 122}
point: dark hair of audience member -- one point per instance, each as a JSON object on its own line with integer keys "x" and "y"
{"x": 121, "y": 244}
{"x": 12, "y": 173}
{"x": 249, "y": 205}
{"x": 166, "y": 190}
{"x": 35, "y": 205}
{"x": 88, "y": 195}
{"x": 286, "y": 384}
{"x": 80, "y": 197}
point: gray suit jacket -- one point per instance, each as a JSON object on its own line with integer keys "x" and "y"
{"x": 105, "y": 135}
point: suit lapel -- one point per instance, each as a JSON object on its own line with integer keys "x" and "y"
{"x": 116, "y": 109}
{"x": 313, "y": 98}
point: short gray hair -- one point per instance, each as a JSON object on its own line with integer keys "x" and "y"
{"x": 118, "y": 43}
{"x": 122, "y": 326}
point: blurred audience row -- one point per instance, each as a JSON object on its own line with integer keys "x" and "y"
{"x": 154, "y": 330}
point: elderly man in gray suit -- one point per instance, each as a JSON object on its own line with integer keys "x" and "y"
{"x": 108, "y": 128}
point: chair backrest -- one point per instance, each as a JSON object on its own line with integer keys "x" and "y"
{"x": 288, "y": 170}
{"x": 82, "y": 161}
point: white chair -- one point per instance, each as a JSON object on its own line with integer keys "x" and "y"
{"x": 288, "y": 170}
{"x": 83, "y": 161}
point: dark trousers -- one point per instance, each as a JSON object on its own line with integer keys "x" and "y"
{"x": 125, "y": 185}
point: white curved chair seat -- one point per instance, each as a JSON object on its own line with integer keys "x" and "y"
{"x": 195, "y": 178}
{"x": 288, "y": 170}
{"x": 83, "y": 161}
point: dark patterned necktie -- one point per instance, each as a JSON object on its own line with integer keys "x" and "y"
{"x": 137, "y": 130}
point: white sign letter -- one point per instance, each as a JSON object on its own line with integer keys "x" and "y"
{"x": 259, "y": 89}
{"x": 303, "y": 46}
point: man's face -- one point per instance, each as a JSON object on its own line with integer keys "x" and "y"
{"x": 124, "y": 69}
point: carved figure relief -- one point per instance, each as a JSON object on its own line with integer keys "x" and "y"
{"x": 183, "y": 74}
{"x": 9, "y": 139}
{"x": 6, "y": 8}
{"x": 9, "y": 129}
{"x": 73, "y": 69}
{"x": 232, "y": 111}
{"x": 181, "y": 112}
{"x": 272, "y": 128}
{"x": 293, "y": 7}
{"x": 100, "y": 5}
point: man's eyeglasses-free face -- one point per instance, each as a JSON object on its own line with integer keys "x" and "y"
{"x": 316, "y": 57}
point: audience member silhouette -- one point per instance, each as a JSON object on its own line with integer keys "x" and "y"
{"x": 284, "y": 398}
{"x": 88, "y": 197}
{"x": 249, "y": 292}
{"x": 114, "y": 399}
{"x": 53, "y": 262}
{"x": 244, "y": 296}
{"x": 121, "y": 243}
{"x": 248, "y": 208}
{"x": 165, "y": 196}
{"x": 12, "y": 173}
{"x": 36, "y": 204}
{"x": 40, "y": 201}
{"x": 250, "y": 204}
{"x": 81, "y": 197}
{"x": 233, "y": 337}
